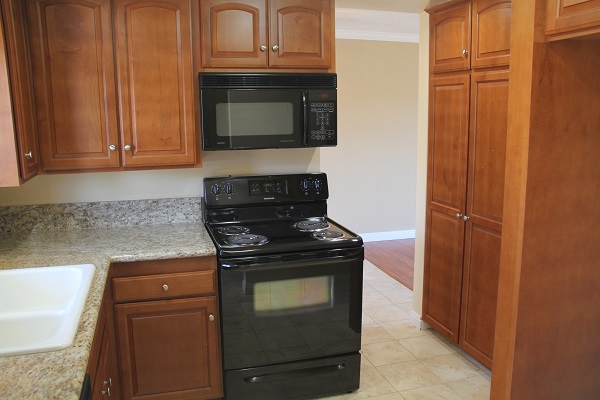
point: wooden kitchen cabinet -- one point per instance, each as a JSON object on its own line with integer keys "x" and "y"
{"x": 72, "y": 55}
{"x": 155, "y": 82}
{"x": 87, "y": 118}
{"x": 23, "y": 101}
{"x": 572, "y": 18}
{"x": 294, "y": 34}
{"x": 465, "y": 35}
{"x": 168, "y": 329}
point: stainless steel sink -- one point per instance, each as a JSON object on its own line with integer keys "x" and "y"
{"x": 40, "y": 308}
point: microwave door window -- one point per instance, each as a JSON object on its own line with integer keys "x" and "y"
{"x": 254, "y": 119}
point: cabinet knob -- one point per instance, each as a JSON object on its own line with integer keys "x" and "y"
{"x": 108, "y": 382}
{"x": 29, "y": 155}
{"x": 465, "y": 52}
{"x": 459, "y": 215}
{"x": 275, "y": 47}
{"x": 165, "y": 287}
{"x": 211, "y": 317}
{"x": 106, "y": 392}
{"x": 263, "y": 48}
{"x": 127, "y": 147}
{"x": 112, "y": 147}
{"x": 466, "y": 217}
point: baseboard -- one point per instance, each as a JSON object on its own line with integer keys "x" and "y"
{"x": 393, "y": 235}
{"x": 416, "y": 320}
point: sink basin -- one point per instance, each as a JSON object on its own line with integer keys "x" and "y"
{"x": 40, "y": 308}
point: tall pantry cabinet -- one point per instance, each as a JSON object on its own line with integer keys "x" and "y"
{"x": 468, "y": 101}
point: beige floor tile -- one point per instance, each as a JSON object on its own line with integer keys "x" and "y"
{"x": 437, "y": 392}
{"x": 365, "y": 363}
{"x": 368, "y": 288}
{"x": 402, "y": 329}
{"x": 386, "y": 353}
{"x": 366, "y": 320}
{"x": 426, "y": 346}
{"x": 451, "y": 367}
{"x": 386, "y": 313}
{"x": 372, "y": 383}
{"x": 409, "y": 375}
{"x": 391, "y": 396}
{"x": 398, "y": 296}
{"x": 475, "y": 388}
{"x": 375, "y": 299}
{"x": 386, "y": 283}
{"x": 375, "y": 334}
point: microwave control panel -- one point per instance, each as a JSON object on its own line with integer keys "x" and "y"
{"x": 322, "y": 118}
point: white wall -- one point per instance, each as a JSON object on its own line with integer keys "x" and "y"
{"x": 372, "y": 172}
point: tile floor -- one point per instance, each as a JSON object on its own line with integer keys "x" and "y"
{"x": 401, "y": 362}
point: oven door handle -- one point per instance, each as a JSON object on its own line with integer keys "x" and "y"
{"x": 264, "y": 262}
{"x": 300, "y": 373}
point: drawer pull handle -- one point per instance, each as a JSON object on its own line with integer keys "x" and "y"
{"x": 165, "y": 287}
{"x": 211, "y": 317}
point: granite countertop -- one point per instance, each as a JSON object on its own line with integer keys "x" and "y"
{"x": 59, "y": 374}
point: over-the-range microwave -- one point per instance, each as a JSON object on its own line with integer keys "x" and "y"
{"x": 268, "y": 110}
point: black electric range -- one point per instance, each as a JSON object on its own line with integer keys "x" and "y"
{"x": 290, "y": 282}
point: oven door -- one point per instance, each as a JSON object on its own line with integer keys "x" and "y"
{"x": 253, "y": 118}
{"x": 277, "y": 309}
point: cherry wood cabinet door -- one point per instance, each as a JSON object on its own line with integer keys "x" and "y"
{"x": 446, "y": 192}
{"x": 168, "y": 349}
{"x": 450, "y": 39}
{"x": 72, "y": 55}
{"x": 300, "y": 33}
{"x": 572, "y": 15}
{"x": 155, "y": 82}
{"x": 23, "y": 100}
{"x": 491, "y": 33}
{"x": 485, "y": 200}
{"x": 234, "y": 34}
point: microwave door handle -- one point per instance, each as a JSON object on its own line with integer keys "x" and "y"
{"x": 305, "y": 117}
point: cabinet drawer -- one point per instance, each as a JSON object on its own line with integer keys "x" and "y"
{"x": 164, "y": 286}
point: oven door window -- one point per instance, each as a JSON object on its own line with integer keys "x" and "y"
{"x": 291, "y": 311}
{"x": 252, "y": 118}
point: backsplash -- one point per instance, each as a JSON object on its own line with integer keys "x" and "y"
{"x": 102, "y": 214}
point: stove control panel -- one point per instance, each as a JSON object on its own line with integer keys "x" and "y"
{"x": 228, "y": 191}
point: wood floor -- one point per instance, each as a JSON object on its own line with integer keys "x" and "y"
{"x": 394, "y": 257}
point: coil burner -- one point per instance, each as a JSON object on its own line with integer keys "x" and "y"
{"x": 246, "y": 239}
{"x": 328, "y": 235}
{"x": 232, "y": 230}
{"x": 311, "y": 225}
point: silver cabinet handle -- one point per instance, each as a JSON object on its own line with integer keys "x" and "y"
{"x": 459, "y": 215}
{"x": 165, "y": 287}
{"x": 465, "y": 52}
{"x": 106, "y": 392}
{"x": 29, "y": 155}
{"x": 275, "y": 47}
{"x": 109, "y": 382}
{"x": 263, "y": 48}
{"x": 466, "y": 218}
{"x": 112, "y": 147}
{"x": 127, "y": 147}
{"x": 211, "y": 317}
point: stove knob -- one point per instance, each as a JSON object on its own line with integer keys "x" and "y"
{"x": 228, "y": 188}
{"x": 215, "y": 189}
{"x": 304, "y": 184}
{"x": 317, "y": 184}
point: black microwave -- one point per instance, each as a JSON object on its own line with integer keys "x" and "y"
{"x": 268, "y": 110}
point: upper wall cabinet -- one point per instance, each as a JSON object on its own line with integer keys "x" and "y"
{"x": 155, "y": 82}
{"x": 19, "y": 100}
{"x": 571, "y": 18}
{"x": 77, "y": 99}
{"x": 267, "y": 34}
{"x": 467, "y": 35}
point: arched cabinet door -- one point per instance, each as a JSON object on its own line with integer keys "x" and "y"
{"x": 491, "y": 33}
{"x": 450, "y": 39}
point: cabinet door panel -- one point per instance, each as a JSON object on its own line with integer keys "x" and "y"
{"x": 21, "y": 87}
{"x": 572, "y": 15}
{"x": 491, "y": 33}
{"x": 233, "y": 33}
{"x": 448, "y": 141}
{"x": 300, "y": 33}
{"x": 443, "y": 273}
{"x": 71, "y": 45}
{"x": 168, "y": 349}
{"x": 480, "y": 292}
{"x": 155, "y": 82}
{"x": 450, "y": 33}
{"x": 487, "y": 148}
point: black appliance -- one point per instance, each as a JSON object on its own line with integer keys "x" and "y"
{"x": 268, "y": 110}
{"x": 290, "y": 282}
